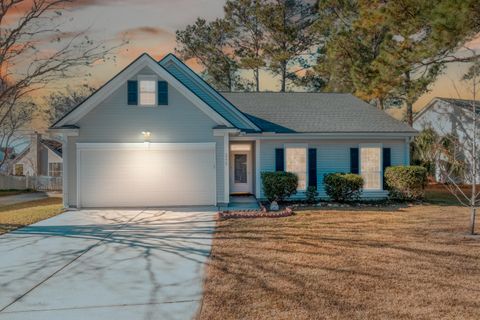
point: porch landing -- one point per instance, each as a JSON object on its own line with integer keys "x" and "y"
{"x": 242, "y": 203}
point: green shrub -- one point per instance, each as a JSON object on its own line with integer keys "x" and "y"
{"x": 279, "y": 185}
{"x": 343, "y": 186}
{"x": 406, "y": 182}
{"x": 311, "y": 194}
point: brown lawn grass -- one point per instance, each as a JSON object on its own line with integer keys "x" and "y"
{"x": 404, "y": 263}
{"x": 19, "y": 215}
{"x": 439, "y": 194}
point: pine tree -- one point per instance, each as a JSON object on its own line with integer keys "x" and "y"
{"x": 248, "y": 35}
{"x": 291, "y": 42}
{"x": 393, "y": 49}
{"x": 209, "y": 44}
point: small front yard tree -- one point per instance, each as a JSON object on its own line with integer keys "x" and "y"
{"x": 464, "y": 139}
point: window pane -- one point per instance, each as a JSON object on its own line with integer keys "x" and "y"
{"x": 55, "y": 169}
{"x": 147, "y": 92}
{"x": 19, "y": 169}
{"x": 240, "y": 172}
{"x": 147, "y": 98}
{"x": 370, "y": 167}
{"x": 296, "y": 162}
{"x": 147, "y": 86}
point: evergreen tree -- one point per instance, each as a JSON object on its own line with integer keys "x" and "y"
{"x": 248, "y": 35}
{"x": 352, "y": 48}
{"x": 291, "y": 41}
{"x": 209, "y": 44}
{"x": 393, "y": 49}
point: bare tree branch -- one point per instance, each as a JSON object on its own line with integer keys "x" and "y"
{"x": 30, "y": 60}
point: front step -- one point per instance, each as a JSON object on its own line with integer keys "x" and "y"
{"x": 242, "y": 203}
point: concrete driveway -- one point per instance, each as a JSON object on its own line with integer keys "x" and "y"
{"x": 107, "y": 264}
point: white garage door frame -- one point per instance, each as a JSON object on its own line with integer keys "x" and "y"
{"x": 83, "y": 146}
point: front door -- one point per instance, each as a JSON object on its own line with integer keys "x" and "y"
{"x": 241, "y": 172}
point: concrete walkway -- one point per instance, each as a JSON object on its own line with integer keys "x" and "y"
{"x": 23, "y": 197}
{"x": 107, "y": 264}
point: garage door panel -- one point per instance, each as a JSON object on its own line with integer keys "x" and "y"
{"x": 136, "y": 178}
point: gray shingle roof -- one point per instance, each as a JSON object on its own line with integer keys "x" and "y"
{"x": 314, "y": 112}
{"x": 462, "y": 103}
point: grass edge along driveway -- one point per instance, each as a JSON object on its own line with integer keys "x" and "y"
{"x": 22, "y": 214}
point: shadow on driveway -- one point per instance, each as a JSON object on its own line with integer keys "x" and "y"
{"x": 123, "y": 264}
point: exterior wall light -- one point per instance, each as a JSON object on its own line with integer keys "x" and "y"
{"x": 146, "y": 135}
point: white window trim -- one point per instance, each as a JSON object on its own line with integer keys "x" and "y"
{"x": 297, "y": 146}
{"x": 50, "y": 172}
{"x": 15, "y": 169}
{"x": 371, "y": 145}
{"x": 147, "y": 78}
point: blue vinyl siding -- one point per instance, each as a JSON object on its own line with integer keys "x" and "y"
{"x": 332, "y": 156}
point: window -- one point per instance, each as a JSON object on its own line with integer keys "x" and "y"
{"x": 19, "y": 169}
{"x": 296, "y": 162}
{"x": 240, "y": 168}
{"x": 55, "y": 169}
{"x": 370, "y": 167}
{"x": 148, "y": 89}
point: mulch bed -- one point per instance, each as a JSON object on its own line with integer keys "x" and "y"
{"x": 255, "y": 214}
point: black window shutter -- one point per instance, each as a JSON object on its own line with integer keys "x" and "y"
{"x": 162, "y": 93}
{"x": 387, "y": 158}
{"x": 312, "y": 167}
{"x": 132, "y": 92}
{"x": 279, "y": 160}
{"x": 354, "y": 160}
{"x": 387, "y": 162}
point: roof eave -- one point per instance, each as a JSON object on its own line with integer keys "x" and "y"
{"x": 344, "y": 134}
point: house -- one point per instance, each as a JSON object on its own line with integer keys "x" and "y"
{"x": 451, "y": 117}
{"x": 158, "y": 135}
{"x": 42, "y": 157}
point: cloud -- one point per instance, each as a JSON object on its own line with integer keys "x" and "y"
{"x": 56, "y": 37}
{"x": 145, "y": 32}
{"x": 80, "y": 4}
{"x": 154, "y": 40}
{"x": 25, "y": 6}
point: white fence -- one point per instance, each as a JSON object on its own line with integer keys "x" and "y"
{"x": 12, "y": 182}
{"x": 39, "y": 183}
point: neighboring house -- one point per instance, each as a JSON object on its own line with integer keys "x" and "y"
{"x": 42, "y": 157}
{"x": 450, "y": 117}
{"x": 7, "y": 154}
{"x": 158, "y": 135}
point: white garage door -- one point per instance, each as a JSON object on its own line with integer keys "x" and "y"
{"x": 142, "y": 175}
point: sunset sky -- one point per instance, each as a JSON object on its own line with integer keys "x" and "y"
{"x": 149, "y": 26}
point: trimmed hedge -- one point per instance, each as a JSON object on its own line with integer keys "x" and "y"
{"x": 279, "y": 185}
{"x": 343, "y": 186}
{"x": 406, "y": 182}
